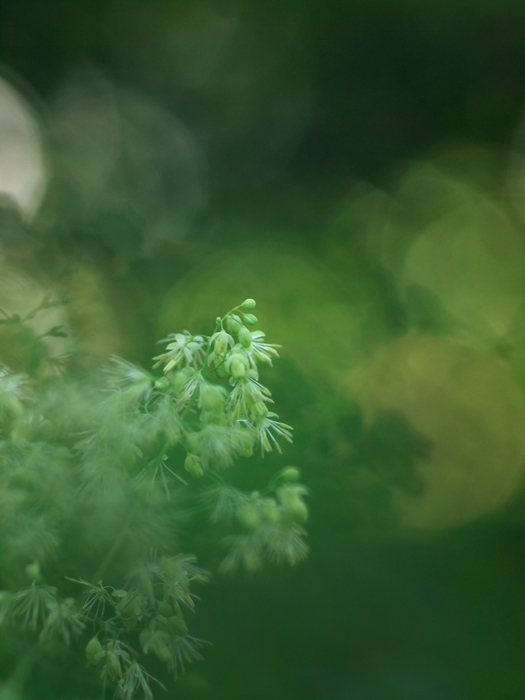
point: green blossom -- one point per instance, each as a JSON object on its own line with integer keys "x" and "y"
{"x": 182, "y": 348}
{"x": 99, "y": 471}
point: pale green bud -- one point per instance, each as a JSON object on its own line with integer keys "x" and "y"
{"x": 93, "y": 648}
{"x": 33, "y": 571}
{"x": 249, "y": 516}
{"x": 164, "y": 609}
{"x": 187, "y": 600}
{"x": 260, "y": 408}
{"x": 246, "y": 449}
{"x": 238, "y": 367}
{"x": 161, "y": 620}
{"x": 221, "y": 343}
{"x": 233, "y": 324}
{"x": 177, "y": 626}
{"x": 212, "y": 397}
{"x": 192, "y": 464}
{"x": 113, "y": 665}
{"x": 192, "y": 443}
{"x": 292, "y": 502}
{"x": 291, "y": 474}
{"x": 245, "y": 337}
{"x": 162, "y": 651}
{"x": 162, "y": 384}
{"x": 169, "y": 567}
{"x": 181, "y": 377}
{"x": 250, "y": 319}
{"x": 248, "y": 304}
{"x": 144, "y": 639}
{"x": 271, "y": 510}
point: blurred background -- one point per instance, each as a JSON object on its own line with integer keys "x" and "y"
{"x": 359, "y": 169}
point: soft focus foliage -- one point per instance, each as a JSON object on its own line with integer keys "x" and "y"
{"x": 94, "y": 469}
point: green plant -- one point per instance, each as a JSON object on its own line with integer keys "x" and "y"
{"x": 98, "y": 469}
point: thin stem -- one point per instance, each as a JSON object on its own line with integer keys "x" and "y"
{"x": 217, "y": 326}
{"x": 113, "y": 550}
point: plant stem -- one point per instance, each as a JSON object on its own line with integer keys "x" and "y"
{"x": 113, "y": 550}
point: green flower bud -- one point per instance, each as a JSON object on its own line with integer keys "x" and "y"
{"x": 192, "y": 443}
{"x": 144, "y": 639}
{"x": 259, "y": 408}
{"x": 162, "y": 384}
{"x": 213, "y": 397}
{"x": 164, "y": 609}
{"x": 271, "y": 511}
{"x": 161, "y": 620}
{"x": 290, "y": 474}
{"x": 250, "y": 319}
{"x": 233, "y": 324}
{"x": 249, "y": 516}
{"x": 169, "y": 567}
{"x": 248, "y": 304}
{"x": 221, "y": 343}
{"x": 127, "y": 609}
{"x": 113, "y": 665}
{"x": 162, "y": 651}
{"x": 238, "y": 367}
{"x": 245, "y": 337}
{"x": 292, "y": 502}
{"x": 187, "y": 600}
{"x": 192, "y": 464}
{"x": 177, "y": 626}
{"x": 180, "y": 378}
{"x": 93, "y": 648}
{"x": 245, "y": 450}
{"x": 33, "y": 571}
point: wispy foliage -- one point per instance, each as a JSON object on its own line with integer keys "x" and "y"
{"x": 95, "y": 474}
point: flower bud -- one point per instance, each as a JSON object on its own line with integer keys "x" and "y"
{"x": 162, "y": 651}
{"x": 292, "y": 502}
{"x": 93, "y": 648}
{"x": 168, "y": 567}
{"x": 238, "y": 367}
{"x": 192, "y": 464}
{"x": 212, "y": 397}
{"x": 250, "y": 319}
{"x": 177, "y": 626}
{"x": 180, "y": 378}
{"x": 192, "y": 442}
{"x": 187, "y": 600}
{"x": 164, "y": 609}
{"x": 259, "y": 408}
{"x": 162, "y": 384}
{"x": 33, "y": 571}
{"x": 245, "y": 337}
{"x": 113, "y": 665}
{"x": 290, "y": 474}
{"x": 271, "y": 510}
{"x": 248, "y": 304}
{"x": 221, "y": 343}
{"x": 144, "y": 639}
{"x": 249, "y": 516}
{"x": 233, "y": 324}
{"x": 246, "y": 449}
